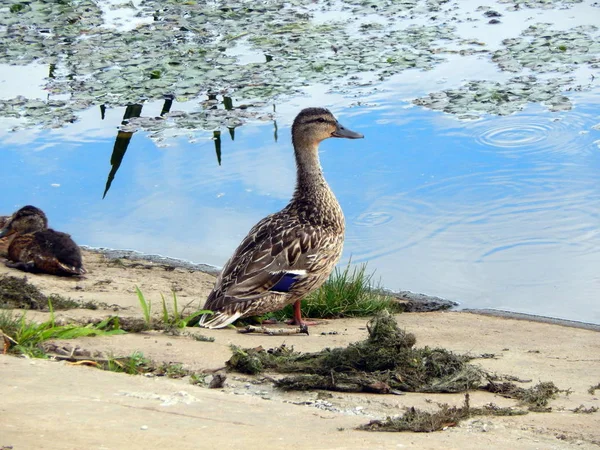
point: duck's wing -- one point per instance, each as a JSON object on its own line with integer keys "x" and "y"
{"x": 277, "y": 253}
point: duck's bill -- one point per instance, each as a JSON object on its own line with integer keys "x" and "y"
{"x": 342, "y": 132}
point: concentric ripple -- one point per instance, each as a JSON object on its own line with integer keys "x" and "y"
{"x": 532, "y": 134}
{"x": 510, "y": 136}
{"x": 373, "y": 219}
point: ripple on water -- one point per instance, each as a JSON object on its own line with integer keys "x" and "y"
{"x": 527, "y": 134}
{"x": 507, "y": 215}
{"x": 373, "y": 219}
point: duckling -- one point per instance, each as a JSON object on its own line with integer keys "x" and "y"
{"x": 290, "y": 253}
{"x": 4, "y": 242}
{"x": 36, "y": 248}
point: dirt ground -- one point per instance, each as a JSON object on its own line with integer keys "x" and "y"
{"x": 47, "y": 404}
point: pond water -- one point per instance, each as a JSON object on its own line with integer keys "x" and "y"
{"x": 492, "y": 211}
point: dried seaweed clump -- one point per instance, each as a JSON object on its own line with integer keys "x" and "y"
{"x": 417, "y": 420}
{"x": 536, "y": 397}
{"x": 384, "y": 362}
{"x": 18, "y": 293}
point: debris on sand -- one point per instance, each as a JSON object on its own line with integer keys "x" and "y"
{"x": 536, "y": 397}
{"x": 18, "y": 293}
{"x": 386, "y": 361}
{"x": 417, "y": 420}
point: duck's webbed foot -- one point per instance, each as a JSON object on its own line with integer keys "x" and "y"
{"x": 24, "y": 266}
{"x": 302, "y": 323}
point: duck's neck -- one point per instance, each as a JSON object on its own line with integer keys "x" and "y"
{"x": 313, "y": 200}
{"x": 309, "y": 178}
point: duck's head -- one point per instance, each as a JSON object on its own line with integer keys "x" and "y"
{"x": 28, "y": 219}
{"x": 312, "y": 125}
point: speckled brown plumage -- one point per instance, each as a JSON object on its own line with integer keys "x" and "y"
{"x": 290, "y": 253}
{"x": 37, "y": 248}
{"x": 5, "y": 241}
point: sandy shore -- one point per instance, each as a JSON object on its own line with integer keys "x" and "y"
{"x": 50, "y": 404}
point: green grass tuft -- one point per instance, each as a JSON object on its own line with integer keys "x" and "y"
{"x": 27, "y": 336}
{"x": 146, "y": 307}
{"x": 348, "y": 292}
{"x": 135, "y": 364}
{"x": 169, "y": 320}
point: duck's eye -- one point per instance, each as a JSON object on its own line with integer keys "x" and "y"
{"x": 321, "y": 120}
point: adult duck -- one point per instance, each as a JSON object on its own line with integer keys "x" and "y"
{"x": 292, "y": 252}
{"x": 36, "y": 248}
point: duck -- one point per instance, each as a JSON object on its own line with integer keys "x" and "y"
{"x": 4, "y": 242}
{"x": 34, "y": 247}
{"x": 290, "y": 253}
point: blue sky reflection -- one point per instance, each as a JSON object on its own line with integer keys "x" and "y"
{"x": 499, "y": 213}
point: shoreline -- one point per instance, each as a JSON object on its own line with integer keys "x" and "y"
{"x": 158, "y": 410}
{"x": 415, "y": 302}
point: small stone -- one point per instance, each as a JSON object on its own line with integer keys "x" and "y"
{"x": 492, "y": 13}
{"x": 217, "y": 381}
{"x": 144, "y": 427}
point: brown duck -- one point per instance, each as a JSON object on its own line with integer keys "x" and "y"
{"x": 290, "y": 253}
{"x": 34, "y": 247}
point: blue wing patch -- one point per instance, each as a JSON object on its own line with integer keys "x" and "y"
{"x": 286, "y": 282}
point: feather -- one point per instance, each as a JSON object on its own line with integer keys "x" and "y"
{"x": 287, "y": 280}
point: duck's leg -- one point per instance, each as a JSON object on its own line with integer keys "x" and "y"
{"x": 297, "y": 320}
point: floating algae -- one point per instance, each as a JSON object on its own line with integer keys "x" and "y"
{"x": 476, "y": 98}
{"x": 386, "y": 361}
{"x": 544, "y": 50}
{"x": 188, "y": 50}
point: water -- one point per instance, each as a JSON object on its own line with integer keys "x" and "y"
{"x": 500, "y": 212}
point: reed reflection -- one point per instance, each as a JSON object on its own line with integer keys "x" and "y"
{"x": 134, "y": 111}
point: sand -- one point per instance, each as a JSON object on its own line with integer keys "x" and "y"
{"x": 46, "y": 404}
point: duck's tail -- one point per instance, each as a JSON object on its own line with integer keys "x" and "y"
{"x": 68, "y": 269}
{"x": 218, "y": 319}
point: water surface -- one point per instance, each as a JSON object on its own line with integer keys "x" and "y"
{"x": 498, "y": 212}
